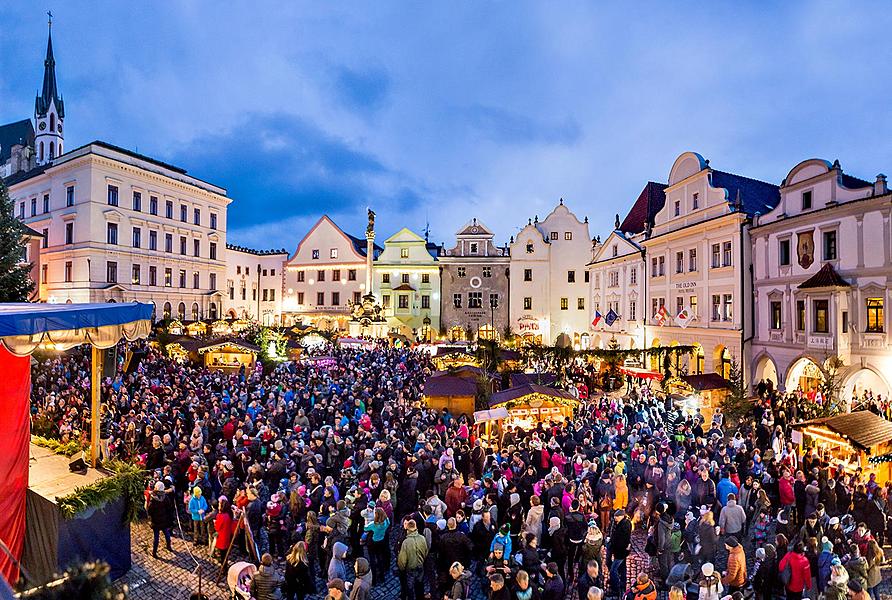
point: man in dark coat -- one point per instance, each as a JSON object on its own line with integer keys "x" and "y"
{"x": 618, "y": 551}
{"x": 159, "y": 507}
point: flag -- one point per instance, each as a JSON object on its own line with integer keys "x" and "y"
{"x": 611, "y": 318}
{"x": 661, "y": 316}
{"x": 683, "y": 318}
{"x": 597, "y": 319}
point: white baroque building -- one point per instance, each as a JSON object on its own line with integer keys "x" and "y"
{"x": 548, "y": 279}
{"x": 254, "y": 284}
{"x": 698, "y": 256}
{"x": 822, "y": 261}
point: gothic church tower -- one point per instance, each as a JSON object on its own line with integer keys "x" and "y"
{"x": 49, "y": 109}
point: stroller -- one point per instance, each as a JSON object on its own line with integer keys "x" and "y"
{"x": 239, "y": 579}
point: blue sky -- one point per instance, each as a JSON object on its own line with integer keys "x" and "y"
{"x": 441, "y": 112}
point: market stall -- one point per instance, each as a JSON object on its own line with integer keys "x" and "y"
{"x": 489, "y": 423}
{"x": 699, "y": 394}
{"x": 454, "y": 357}
{"x": 531, "y": 404}
{"x": 642, "y": 374}
{"x": 455, "y": 393}
{"x": 175, "y": 327}
{"x": 227, "y": 354}
{"x": 855, "y": 440}
{"x": 196, "y": 328}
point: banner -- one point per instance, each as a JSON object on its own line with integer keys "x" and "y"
{"x": 15, "y": 388}
{"x": 661, "y": 316}
{"x": 611, "y": 318}
{"x": 597, "y": 319}
{"x": 683, "y": 318}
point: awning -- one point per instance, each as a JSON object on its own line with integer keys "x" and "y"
{"x": 23, "y": 326}
{"x": 493, "y": 414}
{"x": 862, "y": 428}
{"x": 641, "y": 373}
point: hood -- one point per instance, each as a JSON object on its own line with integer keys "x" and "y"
{"x": 465, "y": 575}
{"x": 339, "y": 550}
{"x": 362, "y": 567}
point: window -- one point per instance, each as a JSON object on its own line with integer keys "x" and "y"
{"x": 829, "y": 245}
{"x": 153, "y": 205}
{"x": 462, "y": 272}
{"x": 385, "y": 278}
{"x": 184, "y": 213}
{"x": 571, "y": 276}
{"x": 800, "y": 315}
{"x": 679, "y": 262}
{"x": 69, "y": 195}
{"x": 475, "y": 299}
{"x": 320, "y": 275}
{"x": 153, "y": 239}
{"x": 265, "y": 294}
{"x": 716, "y": 307}
{"x": 821, "y": 322}
{"x": 493, "y": 300}
{"x": 333, "y": 253}
{"x": 653, "y": 267}
{"x": 695, "y": 201}
{"x": 212, "y": 282}
{"x": 679, "y": 304}
{"x": 565, "y": 304}
{"x": 69, "y": 233}
{"x": 613, "y": 279}
{"x": 585, "y": 276}
{"x": 168, "y": 277}
{"x": 301, "y": 276}
{"x": 474, "y": 247}
{"x": 632, "y": 310}
{"x": 213, "y": 250}
{"x": 678, "y": 208}
{"x": 404, "y": 253}
{"x": 196, "y": 248}
{"x": 487, "y": 271}
{"x": 213, "y": 220}
{"x": 716, "y": 256}
{"x": 168, "y": 209}
{"x": 137, "y": 201}
{"x": 456, "y": 300}
{"x": 111, "y": 272}
{"x": 633, "y": 275}
{"x": 111, "y": 233}
{"x": 529, "y": 247}
{"x": 875, "y": 316}
{"x": 426, "y": 277}
{"x": 528, "y": 303}
{"x": 182, "y": 278}
{"x": 385, "y": 301}
{"x": 168, "y": 242}
{"x": 806, "y": 200}
{"x": 597, "y": 280}
{"x": 46, "y": 203}
{"x": 134, "y": 275}
{"x": 196, "y": 216}
{"x": 845, "y": 321}
{"x": 196, "y": 281}
{"x": 425, "y": 301}
{"x": 112, "y": 195}
{"x": 553, "y": 235}
{"x": 661, "y": 262}
{"x": 403, "y": 301}
{"x": 22, "y": 209}
{"x": 320, "y": 298}
{"x": 183, "y": 245}
{"x": 300, "y": 298}
{"x": 580, "y": 303}
{"x": 692, "y": 302}
{"x": 137, "y": 237}
{"x": 615, "y": 251}
{"x": 68, "y": 271}
{"x": 351, "y": 274}
{"x": 336, "y": 298}
{"x": 727, "y": 307}
{"x": 33, "y": 207}
{"x": 527, "y": 274}
{"x": 776, "y": 321}
{"x": 357, "y": 297}
{"x": 153, "y": 276}
{"x": 783, "y": 253}
{"x": 243, "y": 291}
{"x": 315, "y": 254}
{"x": 568, "y": 235}
{"x": 692, "y": 260}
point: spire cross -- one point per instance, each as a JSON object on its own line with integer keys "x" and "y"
{"x": 49, "y": 14}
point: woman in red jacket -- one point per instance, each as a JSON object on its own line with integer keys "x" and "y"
{"x": 800, "y": 572}
{"x": 224, "y": 526}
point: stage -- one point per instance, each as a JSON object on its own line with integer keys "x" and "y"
{"x": 53, "y": 542}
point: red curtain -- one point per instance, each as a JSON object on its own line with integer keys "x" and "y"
{"x": 15, "y": 386}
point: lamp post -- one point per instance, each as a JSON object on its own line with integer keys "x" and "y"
{"x": 427, "y": 328}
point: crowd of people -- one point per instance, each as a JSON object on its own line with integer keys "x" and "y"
{"x": 334, "y": 474}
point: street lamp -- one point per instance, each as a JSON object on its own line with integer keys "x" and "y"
{"x": 493, "y": 303}
{"x": 427, "y": 328}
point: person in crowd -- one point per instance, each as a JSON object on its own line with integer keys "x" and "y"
{"x": 266, "y": 584}
{"x": 159, "y": 507}
{"x": 795, "y": 572}
{"x": 299, "y": 581}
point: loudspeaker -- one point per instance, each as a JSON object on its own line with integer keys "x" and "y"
{"x": 110, "y": 364}
{"x": 77, "y": 465}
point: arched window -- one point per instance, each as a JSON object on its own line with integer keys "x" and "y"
{"x": 60, "y": 148}
{"x": 212, "y": 311}
{"x": 40, "y": 151}
{"x": 166, "y": 314}
{"x": 111, "y": 301}
{"x": 52, "y": 122}
{"x": 52, "y": 150}
{"x": 195, "y": 311}
{"x": 181, "y": 311}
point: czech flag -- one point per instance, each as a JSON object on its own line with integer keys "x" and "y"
{"x": 597, "y": 319}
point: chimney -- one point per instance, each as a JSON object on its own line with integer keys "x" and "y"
{"x": 879, "y": 186}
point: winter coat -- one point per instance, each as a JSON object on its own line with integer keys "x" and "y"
{"x": 337, "y": 568}
{"x": 732, "y": 518}
{"x": 736, "y": 575}
{"x": 412, "y": 553}
{"x": 711, "y": 588}
{"x": 453, "y": 546}
{"x": 160, "y": 510}
{"x": 800, "y": 571}
{"x": 461, "y": 587}
{"x": 363, "y": 582}
{"x": 857, "y": 568}
{"x": 825, "y": 562}
{"x": 620, "y": 539}
{"x": 533, "y": 523}
{"x": 874, "y": 576}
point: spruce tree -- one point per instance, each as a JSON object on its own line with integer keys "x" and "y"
{"x": 15, "y": 284}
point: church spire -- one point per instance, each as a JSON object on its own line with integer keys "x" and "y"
{"x": 49, "y": 93}
{"x": 49, "y": 109}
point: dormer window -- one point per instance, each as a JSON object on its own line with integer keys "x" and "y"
{"x": 615, "y": 251}
{"x": 806, "y": 200}
{"x": 404, "y": 253}
{"x": 554, "y": 235}
{"x": 695, "y": 201}
{"x": 529, "y": 247}
{"x": 473, "y": 247}
{"x": 568, "y": 235}
{"x": 677, "y": 208}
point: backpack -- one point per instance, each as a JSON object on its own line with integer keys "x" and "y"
{"x": 786, "y": 575}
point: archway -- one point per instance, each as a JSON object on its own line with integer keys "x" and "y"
{"x": 456, "y": 333}
{"x": 487, "y": 332}
{"x": 585, "y": 341}
{"x": 698, "y": 360}
{"x": 766, "y": 370}
{"x": 722, "y": 360}
{"x": 195, "y": 311}
{"x": 805, "y": 375}
{"x": 232, "y": 314}
{"x": 166, "y": 312}
{"x": 181, "y": 311}
{"x": 862, "y": 383}
{"x": 563, "y": 341}
{"x": 212, "y": 311}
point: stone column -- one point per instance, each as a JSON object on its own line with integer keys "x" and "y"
{"x": 369, "y": 257}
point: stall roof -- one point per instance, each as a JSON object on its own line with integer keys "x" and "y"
{"x": 526, "y": 390}
{"x": 29, "y": 319}
{"x": 862, "y": 428}
{"x": 448, "y": 385}
{"x": 706, "y": 381}
{"x": 518, "y": 379}
{"x": 493, "y": 414}
{"x": 465, "y": 371}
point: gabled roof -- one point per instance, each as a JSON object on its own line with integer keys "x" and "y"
{"x": 359, "y": 245}
{"x": 474, "y": 227}
{"x": 602, "y": 256}
{"x": 650, "y": 201}
{"x": 404, "y": 235}
{"x": 521, "y": 379}
{"x": 528, "y": 389}
{"x": 755, "y": 196}
{"x": 16, "y": 133}
{"x": 825, "y": 277}
{"x": 706, "y": 381}
{"x": 448, "y": 385}
{"x": 404, "y": 287}
{"x": 862, "y": 428}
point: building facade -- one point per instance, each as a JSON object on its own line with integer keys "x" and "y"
{"x": 698, "y": 255}
{"x": 617, "y": 275}
{"x": 324, "y": 277}
{"x": 822, "y": 268}
{"x": 254, "y": 284}
{"x": 123, "y": 227}
{"x": 474, "y": 285}
{"x": 549, "y": 280}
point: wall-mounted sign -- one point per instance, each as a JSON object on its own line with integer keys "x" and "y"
{"x": 526, "y": 324}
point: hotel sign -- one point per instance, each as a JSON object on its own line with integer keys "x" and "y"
{"x": 686, "y": 285}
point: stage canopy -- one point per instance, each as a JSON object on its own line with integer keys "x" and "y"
{"x": 23, "y": 328}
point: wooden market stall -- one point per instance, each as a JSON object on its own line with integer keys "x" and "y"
{"x": 699, "y": 394}
{"x": 455, "y": 393}
{"x": 227, "y": 354}
{"x": 454, "y": 357}
{"x": 530, "y": 404}
{"x": 175, "y": 327}
{"x": 221, "y": 327}
{"x": 489, "y": 424}
{"x": 196, "y": 328}
{"x": 852, "y": 440}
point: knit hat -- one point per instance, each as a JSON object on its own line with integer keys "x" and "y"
{"x": 337, "y": 584}
{"x": 826, "y": 545}
{"x": 707, "y": 569}
{"x": 515, "y": 499}
{"x": 760, "y": 553}
{"x": 834, "y": 520}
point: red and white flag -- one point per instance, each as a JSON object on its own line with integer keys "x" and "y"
{"x": 683, "y": 318}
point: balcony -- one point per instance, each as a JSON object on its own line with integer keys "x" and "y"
{"x": 874, "y": 341}
{"x": 776, "y": 335}
{"x": 821, "y": 341}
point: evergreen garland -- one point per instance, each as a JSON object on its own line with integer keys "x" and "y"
{"x": 69, "y": 448}
{"x": 127, "y": 481}
{"x": 15, "y": 283}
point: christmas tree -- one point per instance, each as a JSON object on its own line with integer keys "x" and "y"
{"x": 15, "y": 285}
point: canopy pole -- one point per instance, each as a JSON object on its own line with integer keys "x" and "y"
{"x": 95, "y": 384}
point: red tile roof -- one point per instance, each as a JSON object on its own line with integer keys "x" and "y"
{"x": 648, "y": 204}
{"x": 825, "y": 277}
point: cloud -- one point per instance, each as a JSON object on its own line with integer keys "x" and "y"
{"x": 503, "y": 126}
{"x": 365, "y": 90}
